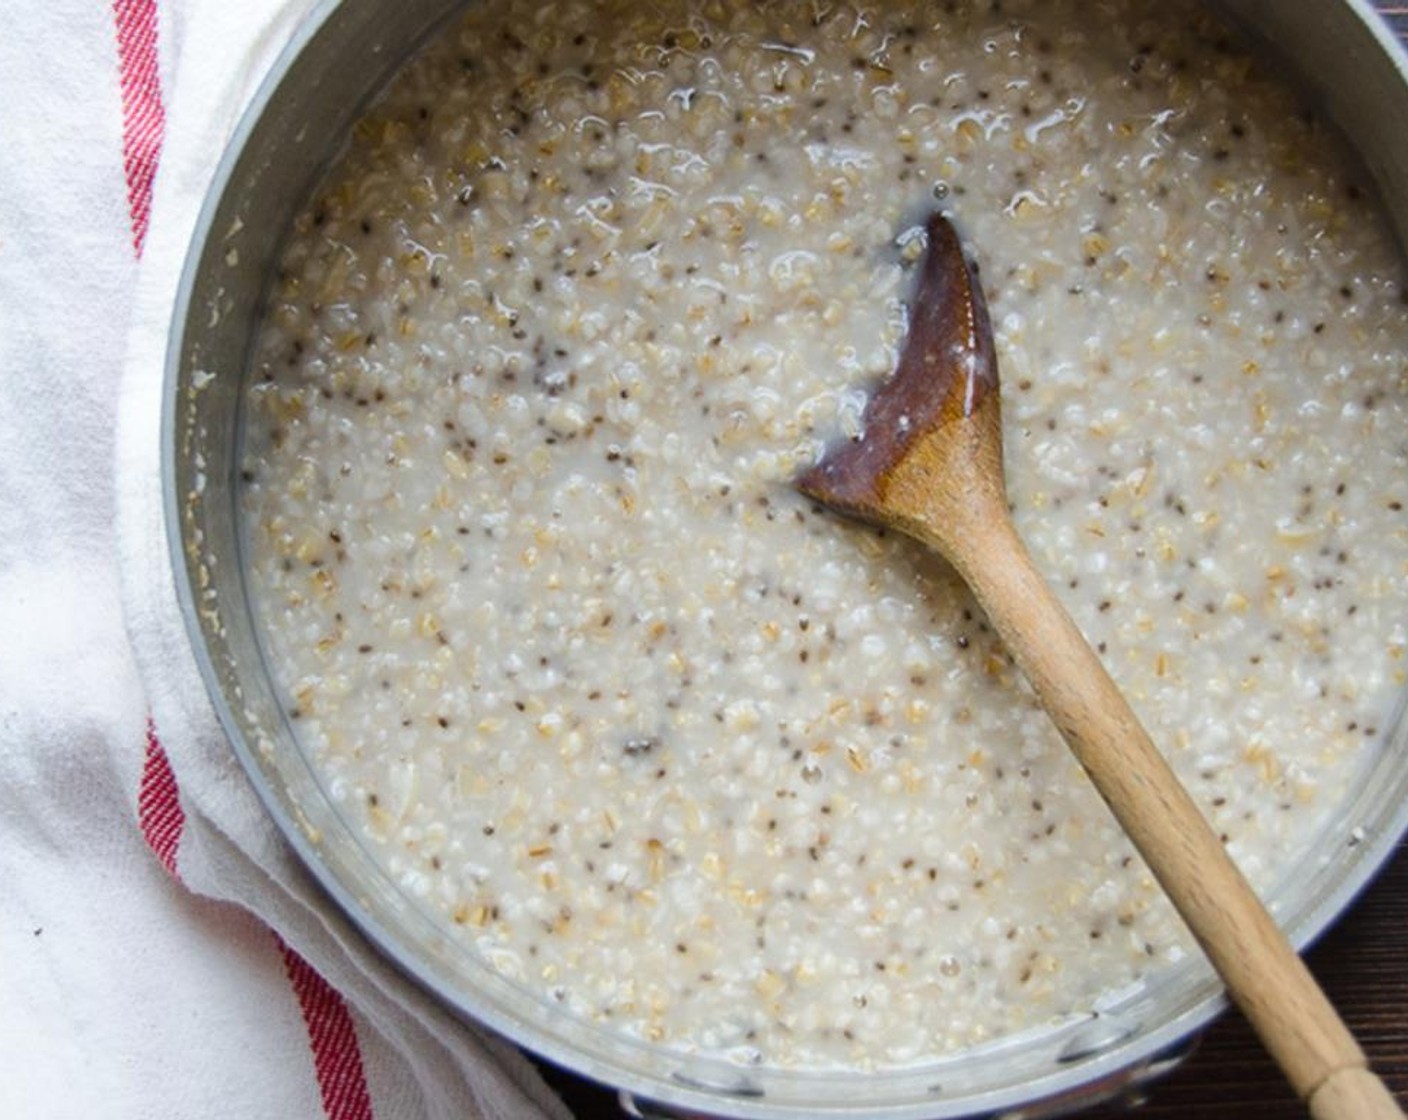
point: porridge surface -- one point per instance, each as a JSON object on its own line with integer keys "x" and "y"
{"x": 683, "y": 752}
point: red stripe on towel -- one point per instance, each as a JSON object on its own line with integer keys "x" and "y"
{"x": 337, "y": 1060}
{"x": 159, "y": 809}
{"x": 143, "y": 115}
{"x": 332, "y": 1037}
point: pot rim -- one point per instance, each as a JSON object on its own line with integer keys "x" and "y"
{"x": 1373, "y": 850}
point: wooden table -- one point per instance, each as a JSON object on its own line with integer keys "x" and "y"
{"x": 1362, "y": 964}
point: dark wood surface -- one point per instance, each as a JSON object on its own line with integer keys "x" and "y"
{"x": 1362, "y": 963}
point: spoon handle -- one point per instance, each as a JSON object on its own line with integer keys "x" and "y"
{"x": 1260, "y": 968}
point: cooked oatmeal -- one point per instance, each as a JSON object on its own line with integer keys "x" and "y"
{"x": 683, "y": 752}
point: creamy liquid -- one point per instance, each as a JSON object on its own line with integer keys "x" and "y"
{"x": 679, "y": 750}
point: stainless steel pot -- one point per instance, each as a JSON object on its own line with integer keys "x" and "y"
{"x": 1347, "y": 60}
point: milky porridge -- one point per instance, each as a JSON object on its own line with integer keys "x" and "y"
{"x": 676, "y": 748}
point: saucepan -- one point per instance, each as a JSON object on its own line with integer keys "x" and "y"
{"x": 1346, "y": 61}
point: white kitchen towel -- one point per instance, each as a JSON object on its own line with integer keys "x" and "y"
{"x": 164, "y": 954}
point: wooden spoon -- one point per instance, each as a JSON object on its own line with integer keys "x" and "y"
{"x": 929, "y": 463}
